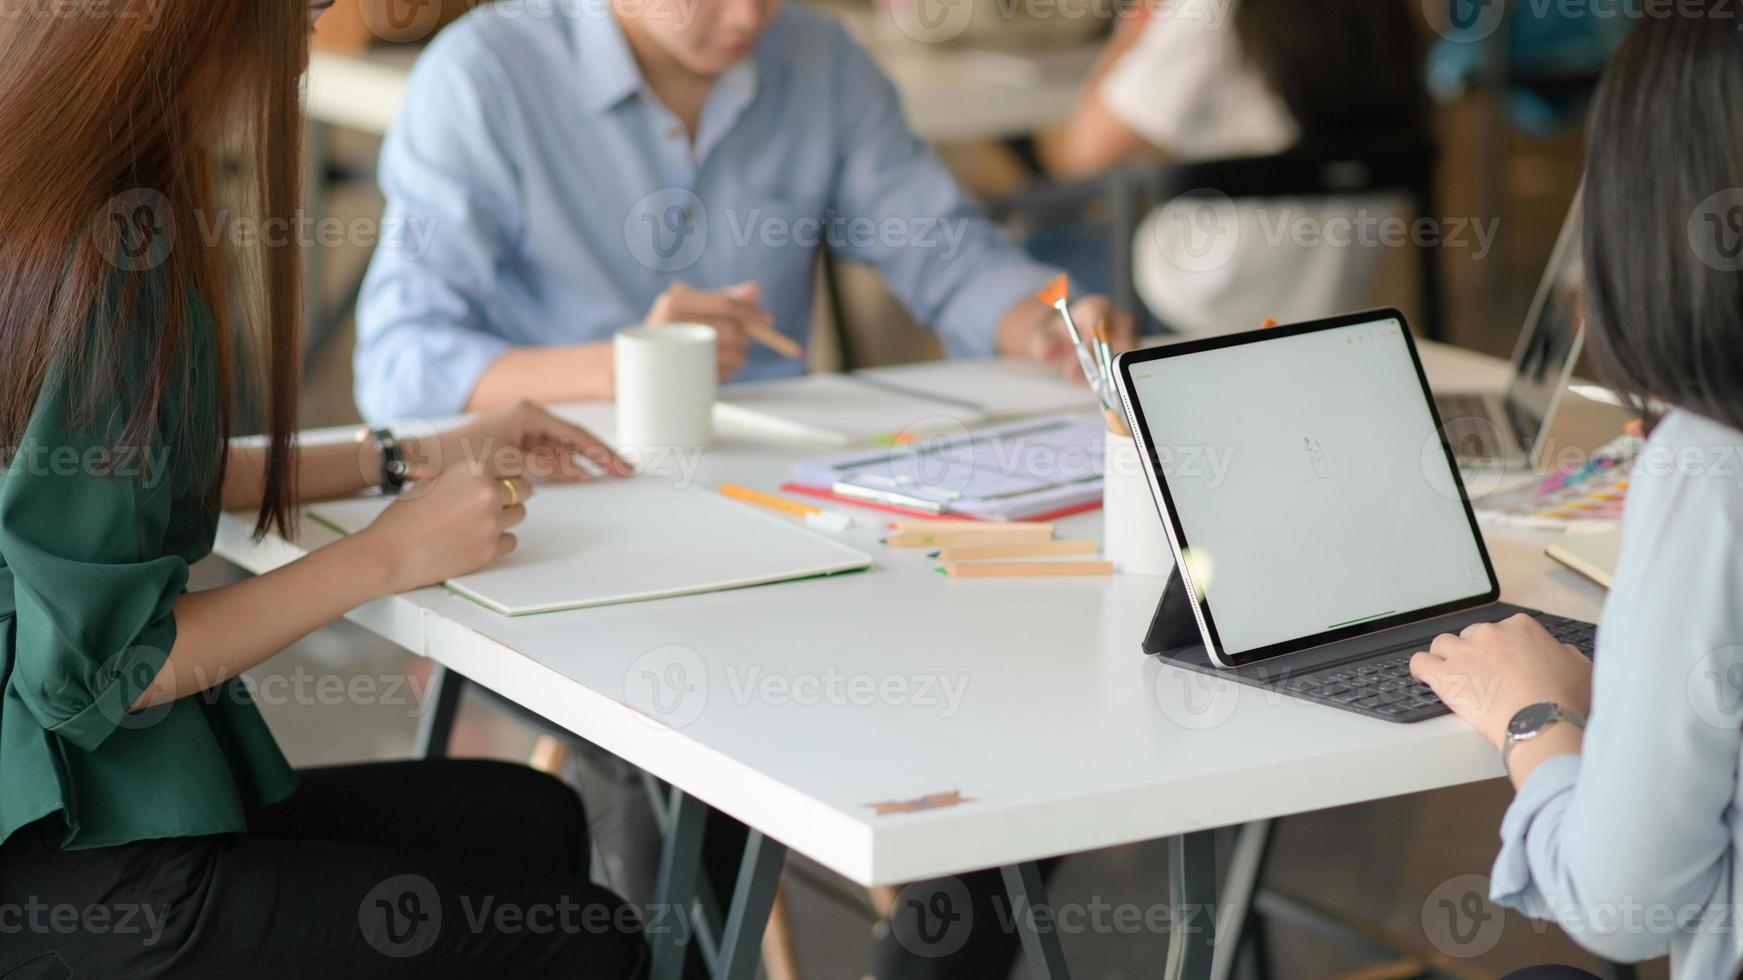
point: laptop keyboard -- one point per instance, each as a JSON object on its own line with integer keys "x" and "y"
{"x": 1470, "y": 427}
{"x": 1382, "y": 686}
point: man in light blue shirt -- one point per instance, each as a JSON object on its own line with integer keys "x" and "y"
{"x": 586, "y": 165}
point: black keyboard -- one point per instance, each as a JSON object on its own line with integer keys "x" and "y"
{"x": 1472, "y": 429}
{"x": 1381, "y": 686}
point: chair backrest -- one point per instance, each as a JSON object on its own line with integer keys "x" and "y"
{"x": 1380, "y": 164}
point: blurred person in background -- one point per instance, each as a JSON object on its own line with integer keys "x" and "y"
{"x": 1188, "y": 80}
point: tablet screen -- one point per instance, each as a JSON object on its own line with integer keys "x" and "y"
{"x": 1308, "y": 483}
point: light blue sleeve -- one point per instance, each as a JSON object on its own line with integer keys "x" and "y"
{"x": 424, "y": 329}
{"x": 954, "y": 269}
{"x": 1628, "y": 844}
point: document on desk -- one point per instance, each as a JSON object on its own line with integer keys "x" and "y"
{"x": 1017, "y": 471}
{"x": 615, "y": 541}
{"x": 913, "y": 400}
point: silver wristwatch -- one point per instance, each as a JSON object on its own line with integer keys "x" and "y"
{"x": 1533, "y": 720}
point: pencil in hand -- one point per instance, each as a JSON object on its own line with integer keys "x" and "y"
{"x": 777, "y": 341}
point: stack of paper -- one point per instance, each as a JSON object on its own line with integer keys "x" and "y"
{"x": 1017, "y": 471}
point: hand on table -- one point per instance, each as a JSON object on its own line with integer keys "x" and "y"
{"x": 458, "y": 523}
{"x": 734, "y": 313}
{"x": 524, "y": 440}
{"x": 473, "y": 482}
{"x": 1491, "y": 670}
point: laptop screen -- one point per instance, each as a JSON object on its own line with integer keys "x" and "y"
{"x": 1309, "y": 484}
{"x": 1550, "y": 343}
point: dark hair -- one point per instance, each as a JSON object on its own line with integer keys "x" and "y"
{"x": 113, "y": 113}
{"x": 1664, "y": 216}
{"x": 1341, "y": 66}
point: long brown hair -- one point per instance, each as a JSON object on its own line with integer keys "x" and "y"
{"x": 111, "y": 119}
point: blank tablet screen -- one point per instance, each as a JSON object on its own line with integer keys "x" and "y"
{"x": 1309, "y": 483}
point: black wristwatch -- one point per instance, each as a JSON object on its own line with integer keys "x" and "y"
{"x": 394, "y": 470}
{"x": 1533, "y": 720}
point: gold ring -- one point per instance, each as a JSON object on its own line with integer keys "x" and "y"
{"x": 513, "y": 494}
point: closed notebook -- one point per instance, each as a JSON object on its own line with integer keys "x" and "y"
{"x": 1592, "y": 555}
{"x": 834, "y": 410}
{"x": 615, "y": 541}
{"x": 911, "y": 399}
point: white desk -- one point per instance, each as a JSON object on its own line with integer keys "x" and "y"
{"x": 948, "y": 94}
{"x": 1066, "y": 738}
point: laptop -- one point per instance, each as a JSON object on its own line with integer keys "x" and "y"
{"x": 1510, "y": 428}
{"x": 1337, "y": 539}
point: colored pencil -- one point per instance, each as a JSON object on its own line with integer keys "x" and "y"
{"x": 1040, "y": 549}
{"x": 778, "y": 342}
{"x": 940, "y": 539}
{"x": 814, "y": 516}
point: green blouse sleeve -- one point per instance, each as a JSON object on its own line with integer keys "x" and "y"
{"x": 82, "y": 526}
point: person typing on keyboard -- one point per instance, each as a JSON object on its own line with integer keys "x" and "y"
{"x": 1624, "y": 829}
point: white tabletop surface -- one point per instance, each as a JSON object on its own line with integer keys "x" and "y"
{"x": 1066, "y": 738}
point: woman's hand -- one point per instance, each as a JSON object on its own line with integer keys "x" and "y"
{"x": 1491, "y": 670}
{"x": 450, "y": 526}
{"x": 524, "y": 440}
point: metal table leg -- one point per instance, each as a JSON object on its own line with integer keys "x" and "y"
{"x": 1035, "y": 925}
{"x": 437, "y": 725}
{"x": 1192, "y": 890}
{"x": 669, "y": 924}
{"x": 753, "y": 897}
{"x": 1241, "y": 887}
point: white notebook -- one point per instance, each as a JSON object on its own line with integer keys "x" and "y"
{"x": 613, "y": 541}
{"x": 914, "y": 399}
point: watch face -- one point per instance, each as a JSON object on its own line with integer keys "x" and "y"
{"x": 1531, "y": 719}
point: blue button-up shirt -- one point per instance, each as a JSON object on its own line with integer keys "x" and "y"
{"x": 539, "y": 193}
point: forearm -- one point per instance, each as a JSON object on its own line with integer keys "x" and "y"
{"x": 325, "y": 471}
{"x": 220, "y": 633}
{"x": 1094, "y": 139}
{"x": 546, "y": 375}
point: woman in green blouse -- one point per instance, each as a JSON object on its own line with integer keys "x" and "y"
{"x": 149, "y": 825}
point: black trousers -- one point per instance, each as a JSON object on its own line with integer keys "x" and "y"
{"x": 441, "y": 868}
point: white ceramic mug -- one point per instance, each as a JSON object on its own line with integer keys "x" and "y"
{"x": 666, "y": 384}
{"x": 1132, "y": 535}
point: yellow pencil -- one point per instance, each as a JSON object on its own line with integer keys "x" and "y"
{"x": 769, "y": 500}
{"x": 1025, "y": 569}
{"x": 940, "y": 539}
{"x": 815, "y": 516}
{"x": 1039, "y": 549}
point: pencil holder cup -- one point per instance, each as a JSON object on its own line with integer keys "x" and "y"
{"x": 1132, "y": 535}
